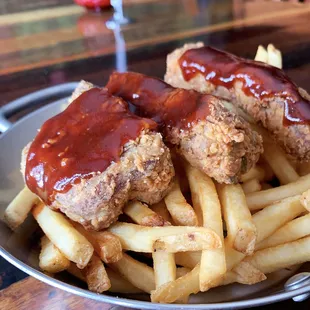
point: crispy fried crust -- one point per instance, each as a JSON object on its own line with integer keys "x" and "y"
{"x": 223, "y": 146}
{"x": 145, "y": 172}
{"x": 220, "y": 143}
{"x": 295, "y": 139}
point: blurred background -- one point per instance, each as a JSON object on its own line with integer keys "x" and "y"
{"x": 55, "y": 41}
{"x": 48, "y": 42}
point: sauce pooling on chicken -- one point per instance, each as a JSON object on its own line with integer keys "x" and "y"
{"x": 81, "y": 141}
{"x": 168, "y": 106}
{"x": 258, "y": 79}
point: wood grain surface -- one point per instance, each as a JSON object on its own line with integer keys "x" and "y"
{"x": 47, "y": 42}
{"x": 35, "y": 295}
{"x": 31, "y": 294}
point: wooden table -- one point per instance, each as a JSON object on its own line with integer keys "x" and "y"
{"x": 45, "y": 43}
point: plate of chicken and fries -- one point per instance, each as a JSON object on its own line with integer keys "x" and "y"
{"x": 192, "y": 190}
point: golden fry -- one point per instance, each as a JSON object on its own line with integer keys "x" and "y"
{"x": 274, "y": 56}
{"x": 251, "y": 186}
{"x": 161, "y": 209}
{"x": 269, "y": 219}
{"x": 138, "y": 274}
{"x": 254, "y": 173}
{"x": 142, "y": 214}
{"x": 205, "y": 198}
{"x": 51, "y": 259}
{"x": 305, "y": 199}
{"x": 175, "y": 290}
{"x": 281, "y": 256}
{"x": 248, "y": 274}
{"x": 96, "y": 276}
{"x": 164, "y": 267}
{"x": 284, "y": 211}
{"x": 17, "y": 211}
{"x": 181, "y": 212}
{"x": 107, "y": 246}
{"x": 261, "y": 54}
{"x": 63, "y": 235}
{"x": 141, "y": 238}
{"x": 259, "y": 200}
{"x": 291, "y": 231}
{"x": 120, "y": 285}
{"x": 279, "y": 163}
{"x": 193, "y": 241}
{"x": 241, "y": 231}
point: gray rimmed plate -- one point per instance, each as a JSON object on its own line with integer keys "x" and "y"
{"x": 21, "y": 247}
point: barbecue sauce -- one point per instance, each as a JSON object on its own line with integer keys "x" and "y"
{"x": 80, "y": 142}
{"x": 259, "y": 80}
{"x": 153, "y": 98}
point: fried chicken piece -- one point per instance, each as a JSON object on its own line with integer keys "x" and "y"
{"x": 209, "y": 136}
{"x": 98, "y": 172}
{"x": 264, "y": 92}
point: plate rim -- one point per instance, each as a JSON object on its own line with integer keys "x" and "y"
{"x": 121, "y": 301}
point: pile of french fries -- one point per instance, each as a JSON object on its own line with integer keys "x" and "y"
{"x": 220, "y": 235}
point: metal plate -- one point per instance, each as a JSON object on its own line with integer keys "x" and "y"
{"x": 20, "y": 248}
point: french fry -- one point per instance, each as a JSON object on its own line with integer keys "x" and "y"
{"x": 284, "y": 211}
{"x": 63, "y": 235}
{"x": 142, "y": 215}
{"x": 141, "y": 238}
{"x": 181, "y": 212}
{"x": 259, "y": 200}
{"x": 254, "y": 173}
{"x": 138, "y": 274}
{"x": 241, "y": 231}
{"x": 279, "y": 163}
{"x": 233, "y": 257}
{"x": 96, "y": 276}
{"x": 291, "y": 231}
{"x": 248, "y": 274}
{"x": 194, "y": 241}
{"x": 107, "y": 246}
{"x": 271, "y": 56}
{"x": 17, "y": 211}
{"x": 281, "y": 256}
{"x": 274, "y": 56}
{"x": 119, "y": 284}
{"x": 205, "y": 198}
{"x": 175, "y": 290}
{"x": 305, "y": 199}
{"x": 251, "y": 186}
{"x": 261, "y": 54}
{"x": 161, "y": 209}
{"x": 51, "y": 259}
{"x": 164, "y": 267}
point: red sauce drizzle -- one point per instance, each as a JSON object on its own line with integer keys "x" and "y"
{"x": 81, "y": 141}
{"x": 259, "y": 80}
{"x": 153, "y": 98}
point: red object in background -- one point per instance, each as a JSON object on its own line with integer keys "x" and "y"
{"x": 91, "y": 24}
{"x": 94, "y": 4}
